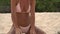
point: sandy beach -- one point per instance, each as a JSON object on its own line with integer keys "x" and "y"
{"x": 48, "y": 22}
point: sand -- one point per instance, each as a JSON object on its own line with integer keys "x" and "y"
{"x": 48, "y": 22}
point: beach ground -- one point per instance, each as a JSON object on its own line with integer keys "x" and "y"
{"x": 48, "y": 22}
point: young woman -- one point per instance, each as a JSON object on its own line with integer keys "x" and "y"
{"x": 23, "y": 17}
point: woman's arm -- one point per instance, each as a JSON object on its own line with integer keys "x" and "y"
{"x": 32, "y": 4}
{"x": 13, "y": 14}
{"x": 13, "y": 5}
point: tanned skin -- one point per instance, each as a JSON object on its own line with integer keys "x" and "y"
{"x": 23, "y": 16}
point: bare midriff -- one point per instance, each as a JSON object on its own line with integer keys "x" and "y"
{"x": 23, "y": 19}
{"x": 22, "y": 13}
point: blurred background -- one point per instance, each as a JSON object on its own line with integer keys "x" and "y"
{"x": 41, "y": 6}
{"x": 47, "y": 16}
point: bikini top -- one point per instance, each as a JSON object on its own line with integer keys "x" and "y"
{"x": 19, "y": 9}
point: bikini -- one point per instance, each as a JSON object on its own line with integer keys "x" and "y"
{"x": 24, "y": 29}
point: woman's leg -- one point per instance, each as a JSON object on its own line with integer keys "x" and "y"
{"x": 12, "y": 30}
{"x": 38, "y": 31}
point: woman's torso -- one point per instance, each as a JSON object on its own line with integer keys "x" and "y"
{"x": 23, "y": 19}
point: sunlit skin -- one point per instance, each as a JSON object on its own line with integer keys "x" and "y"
{"x": 24, "y": 5}
{"x": 22, "y": 18}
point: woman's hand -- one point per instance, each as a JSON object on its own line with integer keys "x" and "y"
{"x": 32, "y": 31}
{"x": 18, "y": 31}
